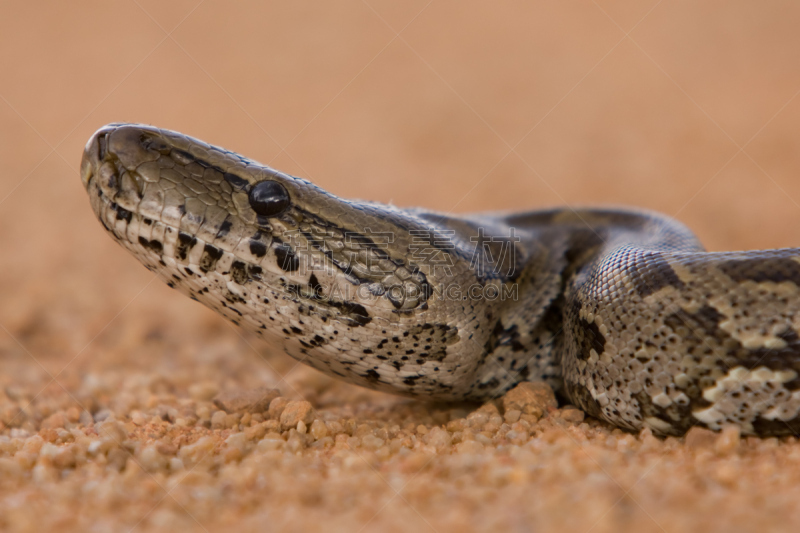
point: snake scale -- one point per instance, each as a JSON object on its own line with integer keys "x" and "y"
{"x": 622, "y": 311}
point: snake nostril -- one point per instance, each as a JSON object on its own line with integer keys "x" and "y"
{"x": 101, "y": 143}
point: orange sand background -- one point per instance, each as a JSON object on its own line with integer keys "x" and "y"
{"x": 683, "y": 107}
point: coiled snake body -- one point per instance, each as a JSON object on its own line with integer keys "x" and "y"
{"x": 621, "y": 311}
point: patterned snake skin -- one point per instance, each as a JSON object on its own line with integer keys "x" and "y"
{"x": 621, "y": 311}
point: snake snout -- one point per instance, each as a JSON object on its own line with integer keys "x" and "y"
{"x": 111, "y": 158}
{"x": 95, "y": 153}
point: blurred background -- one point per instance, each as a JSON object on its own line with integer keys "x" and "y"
{"x": 688, "y": 108}
{"x": 683, "y": 107}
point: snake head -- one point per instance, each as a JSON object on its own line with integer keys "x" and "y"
{"x": 170, "y": 198}
{"x": 358, "y": 290}
{"x": 160, "y": 192}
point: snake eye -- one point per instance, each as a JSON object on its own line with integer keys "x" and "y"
{"x": 269, "y": 198}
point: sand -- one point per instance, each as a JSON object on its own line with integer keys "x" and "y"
{"x": 108, "y": 379}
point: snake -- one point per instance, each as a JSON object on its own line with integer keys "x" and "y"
{"x": 621, "y": 311}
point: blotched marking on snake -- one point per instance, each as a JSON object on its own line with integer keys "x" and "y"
{"x": 621, "y": 311}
